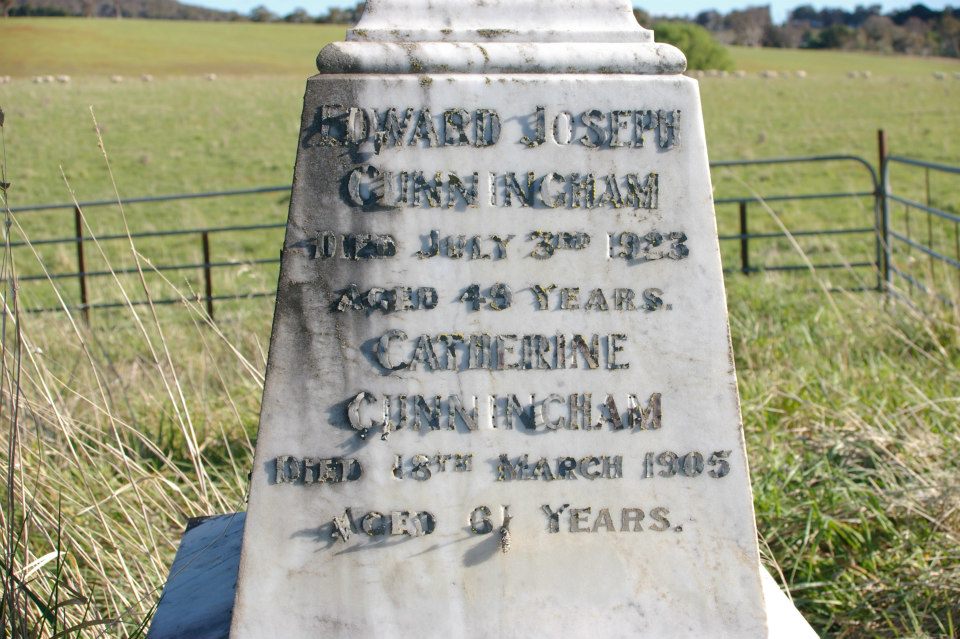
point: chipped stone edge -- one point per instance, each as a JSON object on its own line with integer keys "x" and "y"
{"x": 643, "y": 58}
{"x": 485, "y": 21}
{"x": 364, "y": 34}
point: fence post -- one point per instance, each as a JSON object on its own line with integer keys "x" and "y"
{"x": 933, "y": 264}
{"x": 81, "y": 264}
{"x": 744, "y": 240}
{"x": 207, "y": 278}
{"x": 883, "y": 213}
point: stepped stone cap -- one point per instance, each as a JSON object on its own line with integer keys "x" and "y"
{"x": 500, "y": 36}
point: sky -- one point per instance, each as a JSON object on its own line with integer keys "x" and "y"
{"x": 779, "y": 8}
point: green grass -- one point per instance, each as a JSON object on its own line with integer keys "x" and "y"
{"x": 850, "y": 412}
{"x": 849, "y": 402}
{"x": 80, "y": 47}
{"x": 837, "y": 63}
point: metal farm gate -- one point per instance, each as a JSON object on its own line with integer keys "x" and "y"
{"x": 922, "y": 238}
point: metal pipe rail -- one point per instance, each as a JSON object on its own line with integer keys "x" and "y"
{"x": 206, "y": 266}
{"x": 150, "y": 199}
{"x": 897, "y": 240}
{"x": 744, "y": 236}
{"x": 144, "y": 234}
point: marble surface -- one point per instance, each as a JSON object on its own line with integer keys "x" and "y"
{"x": 209, "y": 557}
{"x": 497, "y": 36}
{"x": 381, "y": 504}
{"x": 524, "y": 21}
{"x": 499, "y": 57}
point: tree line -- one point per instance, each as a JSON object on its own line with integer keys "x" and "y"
{"x": 918, "y": 30}
{"x": 300, "y": 15}
{"x": 168, "y": 10}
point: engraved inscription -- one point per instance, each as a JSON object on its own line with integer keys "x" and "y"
{"x": 367, "y": 186}
{"x": 398, "y": 298}
{"x": 422, "y": 467}
{"x": 498, "y": 297}
{"x": 692, "y": 464}
{"x": 311, "y": 470}
{"x": 481, "y": 520}
{"x": 562, "y": 212}
{"x": 617, "y": 128}
{"x": 349, "y": 246}
{"x": 573, "y": 298}
{"x": 395, "y": 350}
{"x": 474, "y": 247}
{"x": 548, "y": 469}
{"x": 339, "y": 125}
{"x": 574, "y": 190}
{"x": 390, "y": 523}
{"x": 647, "y": 247}
{"x": 389, "y": 413}
{"x": 548, "y": 242}
{"x": 591, "y": 520}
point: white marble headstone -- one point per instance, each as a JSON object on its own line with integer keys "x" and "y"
{"x": 500, "y": 398}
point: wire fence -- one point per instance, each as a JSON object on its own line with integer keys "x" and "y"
{"x": 878, "y": 239}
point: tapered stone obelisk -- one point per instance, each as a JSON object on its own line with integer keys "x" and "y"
{"x": 500, "y": 398}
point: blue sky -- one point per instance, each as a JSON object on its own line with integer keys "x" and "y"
{"x": 676, "y": 7}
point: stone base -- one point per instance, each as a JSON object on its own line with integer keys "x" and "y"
{"x": 197, "y": 601}
{"x": 784, "y": 621}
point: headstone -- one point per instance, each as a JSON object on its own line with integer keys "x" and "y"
{"x": 500, "y": 397}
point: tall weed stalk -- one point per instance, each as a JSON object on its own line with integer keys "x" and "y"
{"x": 114, "y": 434}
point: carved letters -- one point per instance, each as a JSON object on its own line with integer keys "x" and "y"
{"x": 339, "y": 125}
{"x": 590, "y": 520}
{"x": 310, "y": 470}
{"x": 589, "y": 467}
{"x": 370, "y": 188}
{"x": 396, "y": 351}
{"x": 389, "y": 413}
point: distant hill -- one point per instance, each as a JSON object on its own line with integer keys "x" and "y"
{"x": 168, "y": 10}
{"x": 154, "y": 9}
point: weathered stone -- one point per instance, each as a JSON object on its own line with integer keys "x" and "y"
{"x": 198, "y": 597}
{"x": 550, "y": 444}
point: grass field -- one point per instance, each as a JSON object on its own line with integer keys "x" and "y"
{"x": 850, "y": 403}
{"x": 839, "y": 63}
{"x": 85, "y": 48}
